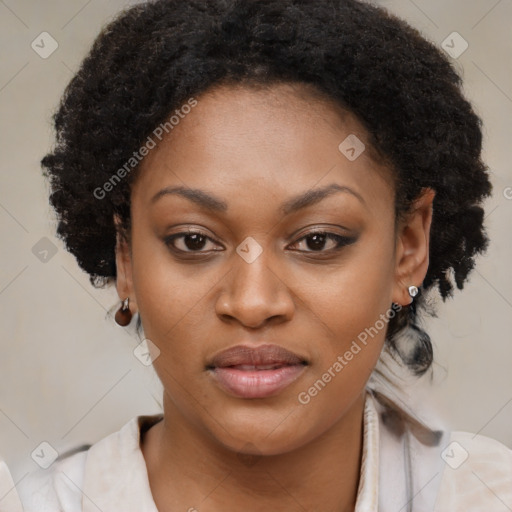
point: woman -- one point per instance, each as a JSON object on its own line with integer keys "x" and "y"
{"x": 275, "y": 187}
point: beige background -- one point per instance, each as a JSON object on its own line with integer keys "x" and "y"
{"x": 68, "y": 373}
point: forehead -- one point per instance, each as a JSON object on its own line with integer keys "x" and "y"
{"x": 281, "y": 137}
{"x": 280, "y": 111}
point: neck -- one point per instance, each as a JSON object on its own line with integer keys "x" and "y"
{"x": 188, "y": 469}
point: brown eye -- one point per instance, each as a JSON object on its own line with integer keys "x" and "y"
{"x": 318, "y": 241}
{"x": 189, "y": 241}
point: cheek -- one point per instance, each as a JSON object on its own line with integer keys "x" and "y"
{"x": 177, "y": 311}
{"x": 351, "y": 296}
{"x": 349, "y": 309}
{"x": 168, "y": 293}
{"x": 351, "y": 336}
{"x": 354, "y": 327}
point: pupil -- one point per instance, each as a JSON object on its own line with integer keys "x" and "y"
{"x": 195, "y": 244}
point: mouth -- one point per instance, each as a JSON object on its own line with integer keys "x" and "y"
{"x": 255, "y": 372}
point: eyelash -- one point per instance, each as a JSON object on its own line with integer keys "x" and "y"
{"x": 341, "y": 241}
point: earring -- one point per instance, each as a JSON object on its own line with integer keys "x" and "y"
{"x": 413, "y": 291}
{"x": 123, "y": 314}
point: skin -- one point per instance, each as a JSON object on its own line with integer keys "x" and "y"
{"x": 254, "y": 149}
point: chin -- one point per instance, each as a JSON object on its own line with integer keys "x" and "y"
{"x": 254, "y": 431}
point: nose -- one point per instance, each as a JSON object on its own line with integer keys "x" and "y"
{"x": 255, "y": 294}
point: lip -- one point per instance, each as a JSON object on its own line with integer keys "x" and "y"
{"x": 255, "y": 371}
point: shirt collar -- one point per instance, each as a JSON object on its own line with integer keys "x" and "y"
{"x": 368, "y": 491}
{"x": 116, "y": 476}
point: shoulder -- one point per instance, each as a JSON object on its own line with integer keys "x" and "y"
{"x": 9, "y": 499}
{"x": 458, "y": 471}
{"x": 477, "y": 475}
{"x": 56, "y": 489}
{"x": 69, "y": 482}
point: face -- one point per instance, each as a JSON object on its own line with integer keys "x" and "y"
{"x": 251, "y": 227}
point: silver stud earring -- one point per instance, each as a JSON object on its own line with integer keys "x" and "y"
{"x": 413, "y": 291}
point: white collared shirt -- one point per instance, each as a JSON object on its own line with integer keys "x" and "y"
{"x": 398, "y": 473}
{"x": 9, "y": 500}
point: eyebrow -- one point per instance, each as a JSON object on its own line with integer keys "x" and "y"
{"x": 209, "y": 202}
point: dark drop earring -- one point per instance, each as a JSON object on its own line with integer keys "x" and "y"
{"x": 124, "y": 315}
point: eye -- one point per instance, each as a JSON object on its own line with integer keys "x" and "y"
{"x": 189, "y": 241}
{"x": 317, "y": 240}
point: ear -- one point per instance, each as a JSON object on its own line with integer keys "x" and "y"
{"x": 124, "y": 282}
{"x": 412, "y": 247}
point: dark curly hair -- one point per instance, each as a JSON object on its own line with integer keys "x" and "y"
{"x": 157, "y": 55}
